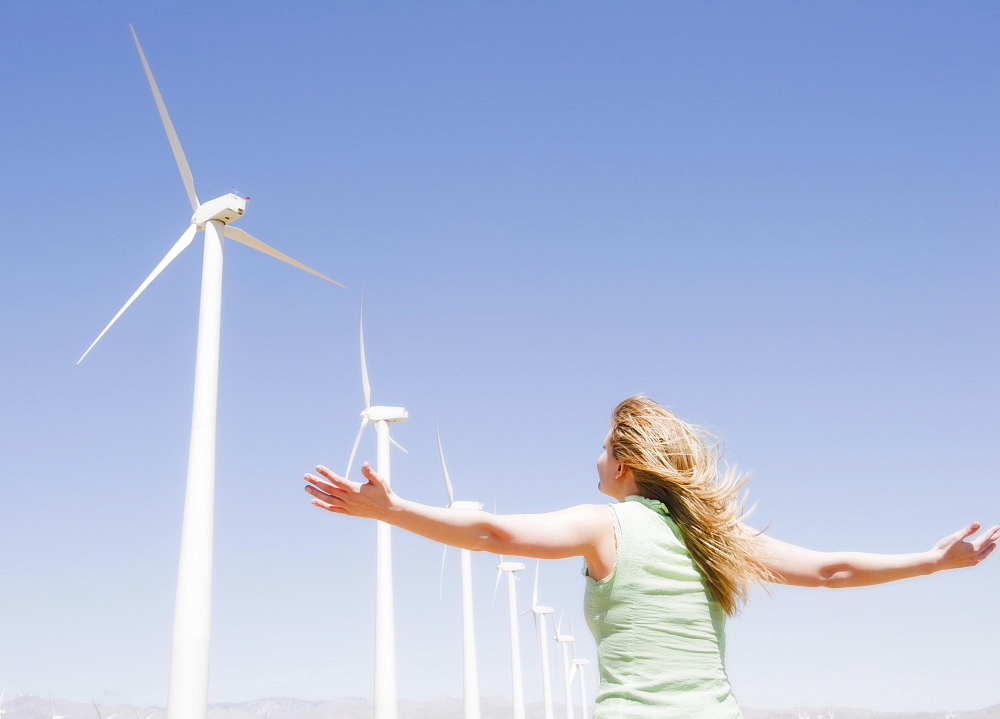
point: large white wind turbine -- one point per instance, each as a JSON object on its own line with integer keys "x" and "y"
{"x": 385, "y": 704}
{"x": 565, "y": 640}
{"x": 516, "y": 680}
{"x": 539, "y": 612}
{"x": 187, "y": 696}
{"x": 470, "y": 673}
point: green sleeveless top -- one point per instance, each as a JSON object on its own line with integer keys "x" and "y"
{"x": 660, "y": 638}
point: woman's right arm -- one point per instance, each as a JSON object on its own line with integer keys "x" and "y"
{"x": 791, "y": 564}
{"x": 586, "y": 530}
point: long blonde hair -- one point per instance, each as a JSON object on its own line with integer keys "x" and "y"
{"x": 678, "y": 464}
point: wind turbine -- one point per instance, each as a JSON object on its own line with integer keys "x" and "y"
{"x": 578, "y": 664}
{"x": 187, "y": 696}
{"x": 470, "y": 673}
{"x": 564, "y": 640}
{"x": 385, "y": 704}
{"x": 539, "y": 613}
{"x": 517, "y": 681}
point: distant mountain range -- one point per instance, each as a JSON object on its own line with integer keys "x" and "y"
{"x": 439, "y": 707}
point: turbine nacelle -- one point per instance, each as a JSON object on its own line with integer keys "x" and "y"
{"x": 577, "y": 663}
{"x": 225, "y": 209}
{"x": 540, "y": 610}
{"x": 384, "y": 414}
{"x": 466, "y": 504}
{"x": 510, "y": 566}
{"x": 560, "y": 637}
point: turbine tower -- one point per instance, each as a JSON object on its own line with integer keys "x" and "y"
{"x": 517, "y": 681}
{"x": 52, "y": 707}
{"x": 187, "y": 696}
{"x": 564, "y": 640}
{"x": 578, "y": 664}
{"x": 539, "y": 613}
{"x": 385, "y": 703}
{"x": 470, "y": 674}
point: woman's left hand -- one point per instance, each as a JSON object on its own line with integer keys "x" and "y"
{"x": 953, "y": 551}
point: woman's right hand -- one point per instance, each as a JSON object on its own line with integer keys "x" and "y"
{"x": 334, "y": 493}
{"x": 953, "y": 551}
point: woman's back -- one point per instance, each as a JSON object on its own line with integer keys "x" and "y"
{"x": 660, "y": 638}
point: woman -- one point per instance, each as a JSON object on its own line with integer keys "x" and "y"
{"x": 664, "y": 565}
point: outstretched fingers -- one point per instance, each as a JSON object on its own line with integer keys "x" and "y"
{"x": 964, "y": 534}
{"x": 986, "y": 542}
{"x": 372, "y": 476}
{"x": 328, "y": 492}
{"x": 322, "y": 494}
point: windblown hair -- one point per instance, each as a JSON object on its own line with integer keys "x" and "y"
{"x": 678, "y": 464}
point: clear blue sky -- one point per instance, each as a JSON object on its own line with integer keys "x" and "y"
{"x": 779, "y": 218}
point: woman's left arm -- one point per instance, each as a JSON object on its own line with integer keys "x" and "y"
{"x": 791, "y": 564}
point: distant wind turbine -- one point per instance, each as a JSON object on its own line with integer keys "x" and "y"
{"x": 187, "y": 695}
{"x": 578, "y": 664}
{"x": 385, "y": 703}
{"x": 516, "y": 680}
{"x": 2, "y": 710}
{"x": 52, "y": 708}
{"x": 564, "y": 640}
{"x": 470, "y": 674}
{"x": 539, "y": 613}
{"x": 99, "y": 712}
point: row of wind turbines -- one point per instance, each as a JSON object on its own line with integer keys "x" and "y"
{"x": 187, "y": 696}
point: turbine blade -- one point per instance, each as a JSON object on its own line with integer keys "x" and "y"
{"x": 398, "y": 446}
{"x": 354, "y": 449}
{"x": 444, "y": 555}
{"x": 534, "y": 593}
{"x": 235, "y": 233}
{"x": 444, "y": 468}
{"x": 175, "y": 143}
{"x": 496, "y": 586}
{"x": 572, "y": 674}
{"x": 178, "y": 247}
{"x": 366, "y": 387}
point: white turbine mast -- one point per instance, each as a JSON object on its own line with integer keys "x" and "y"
{"x": 564, "y": 640}
{"x": 578, "y": 664}
{"x": 516, "y": 678}
{"x": 470, "y": 672}
{"x": 2, "y": 693}
{"x": 539, "y": 613}
{"x": 385, "y": 703}
{"x": 52, "y": 708}
{"x": 187, "y": 696}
